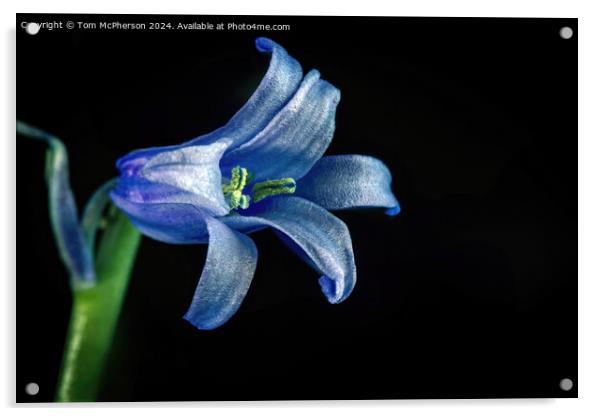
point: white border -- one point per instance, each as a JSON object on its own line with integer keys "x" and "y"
{"x": 590, "y": 201}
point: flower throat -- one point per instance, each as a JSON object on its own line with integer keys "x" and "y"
{"x": 241, "y": 177}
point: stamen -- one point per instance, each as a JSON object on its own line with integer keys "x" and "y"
{"x": 265, "y": 189}
{"x": 235, "y": 199}
{"x": 244, "y": 201}
{"x": 233, "y": 189}
{"x": 240, "y": 177}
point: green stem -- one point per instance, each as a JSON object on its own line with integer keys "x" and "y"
{"x": 95, "y": 312}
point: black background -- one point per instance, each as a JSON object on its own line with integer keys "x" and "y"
{"x": 470, "y": 292}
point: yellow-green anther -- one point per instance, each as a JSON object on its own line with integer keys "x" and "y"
{"x": 233, "y": 189}
{"x": 234, "y": 199}
{"x": 265, "y": 189}
{"x": 234, "y": 183}
{"x": 240, "y": 177}
{"x": 244, "y": 201}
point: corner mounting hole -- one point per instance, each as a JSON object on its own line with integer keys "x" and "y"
{"x": 32, "y": 28}
{"x": 566, "y": 32}
{"x": 32, "y": 389}
{"x": 566, "y": 384}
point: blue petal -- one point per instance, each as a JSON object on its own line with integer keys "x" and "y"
{"x": 174, "y": 223}
{"x": 317, "y": 236}
{"x": 276, "y": 88}
{"x": 295, "y": 138}
{"x": 63, "y": 211}
{"x": 168, "y": 197}
{"x": 348, "y": 181}
{"x": 393, "y": 211}
{"x": 226, "y": 277}
{"x": 194, "y": 170}
{"x": 133, "y": 162}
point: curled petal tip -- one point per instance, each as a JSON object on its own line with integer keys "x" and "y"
{"x": 393, "y": 211}
{"x": 333, "y": 92}
{"x": 313, "y": 76}
{"x": 330, "y": 289}
{"x": 337, "y": 95}
{"x": 264, "y": 44}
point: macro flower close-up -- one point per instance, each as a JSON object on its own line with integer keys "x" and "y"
{"x": 222, "y": 207}
{"x": 264, "y": 169}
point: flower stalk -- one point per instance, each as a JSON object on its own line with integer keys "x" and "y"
{"x": 95, "y": 313}
{"x": 98, "y": 283}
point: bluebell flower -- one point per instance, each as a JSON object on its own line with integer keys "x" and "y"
{"x": 263, "y": 169}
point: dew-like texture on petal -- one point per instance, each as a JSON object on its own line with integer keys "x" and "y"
{"x": 169, "y": 196}
{"x": 165, "y": 212}
{"x": 141, "y": 190}
{"x": 193, "y": 169}
{"x": 295, "y": 138}
{"x": 348, "y": 181}
{"x": 227, "y": 274}
{"x": 317, "y": 236}
{"x": 63, "y": 211}
{"x": 174, "y": 223}
{"x": 278, "y": 85}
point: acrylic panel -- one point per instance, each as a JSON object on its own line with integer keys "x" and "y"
{"x": 295, "y": 207}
